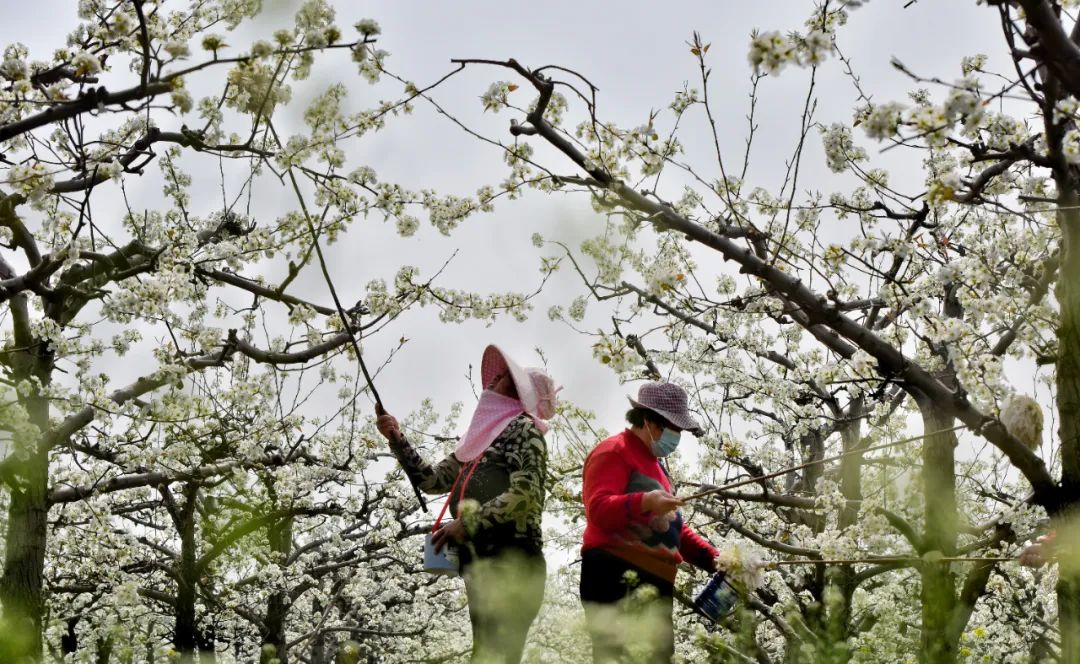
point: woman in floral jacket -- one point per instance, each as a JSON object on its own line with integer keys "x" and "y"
{"x": 495, "y": 478}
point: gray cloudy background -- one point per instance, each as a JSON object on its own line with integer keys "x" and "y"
{"x": 635, "y": 52}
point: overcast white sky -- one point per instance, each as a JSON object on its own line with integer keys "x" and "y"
{"x": 636, "y": 53}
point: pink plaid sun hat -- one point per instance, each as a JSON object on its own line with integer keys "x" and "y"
{"x": 536, "y": 398}
{"x": 536, "y": 390}
{"x": 669, "y": 401}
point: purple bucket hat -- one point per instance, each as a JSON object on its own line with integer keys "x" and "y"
{"x": 669, "y": 401}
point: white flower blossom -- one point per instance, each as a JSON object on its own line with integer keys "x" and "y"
{"x": 743, "y": 563}
{"x": 86, "y": 64}
{"x": 1070, "y": 146}
{"x": 368, "y": 27}
{"x": 177, "y": 48}
{"x": 771, "y": 51}
{"x": 883, "y": 120}
{"x": 14, "y": 69}
{"x": 111, "y": 169}
{"x": 261, "y": 49}
{"x": 407, "y": 225}
{"x": 840, "y": 148}
{"x": 181, "y": 99}
{"x": 495, "y": 99}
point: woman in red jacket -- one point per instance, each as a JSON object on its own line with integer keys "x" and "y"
{"x": 635, "y": 536}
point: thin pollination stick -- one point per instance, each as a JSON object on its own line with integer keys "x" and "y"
{"x": 853, "y": 561}
{"x": 889, "y": 559}
{"x": 345, "y": 322}
{"x": 786, "y": 471}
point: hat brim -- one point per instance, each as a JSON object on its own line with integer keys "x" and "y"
{"x": 681, "y": 420}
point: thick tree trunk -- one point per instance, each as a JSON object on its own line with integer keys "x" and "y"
{"x": 24, "y": 558}
{"x": 104, "y": 650}
{"x": 1066, "y": 511}
{"x": 28, "y": 510}
{"x": 1068, "y": 404}
{"x": 841, "y": 580}
{"x": 940, "y": 523}
{"x": 185, "y": 636}
{"x": 69, "y": 642}
{"x": 27, "y": 526}
{"x": 318, "y": 642}
{"x": 1068, "y": 598}
{"x": 277, "y": 608}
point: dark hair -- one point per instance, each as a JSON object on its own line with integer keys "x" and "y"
{"x": 639, "y": 416}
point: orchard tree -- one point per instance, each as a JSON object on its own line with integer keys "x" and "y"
{"x": 157, "y": 338}
{"x": 823, "y": 323}
{"x": 282, "y": 558}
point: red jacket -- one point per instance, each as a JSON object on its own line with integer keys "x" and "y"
{"x": 618, "y": 472}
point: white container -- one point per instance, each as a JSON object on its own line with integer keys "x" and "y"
{"x": 443, "y": 563}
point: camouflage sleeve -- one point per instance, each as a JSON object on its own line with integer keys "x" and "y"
{"x": 522, "y": 504}
{"x": 430, "y": 479}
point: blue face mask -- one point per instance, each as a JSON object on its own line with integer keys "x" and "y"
{"x": 666, "y": 443}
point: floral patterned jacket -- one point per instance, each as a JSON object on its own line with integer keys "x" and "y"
{"x": 508, "y": 483}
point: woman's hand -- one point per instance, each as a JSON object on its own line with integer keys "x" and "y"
{"x": 659, "y": 501}
{"x": 661, "y": 523}
{"x": 1039, "y": 553}
{"x": 450, "y": 531}
{"x": 387, "y": 424}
